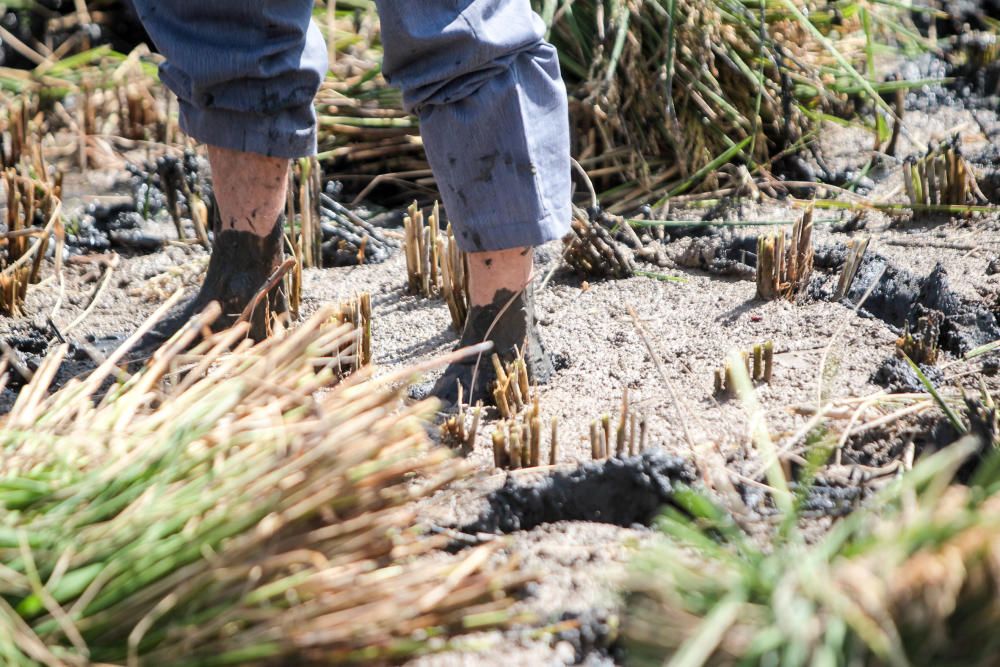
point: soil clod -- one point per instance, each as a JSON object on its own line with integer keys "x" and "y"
{"x": 899, "y": 377}
{"x": 619, "y": 491}
{"x": 901, "y": 298}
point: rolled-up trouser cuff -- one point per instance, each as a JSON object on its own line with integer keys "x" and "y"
{"x": 486, "y": 234}
{"x": 493, "y": 115}
{"x": 245, "y": 71}
{"x": 287, "y": 134}
{"x": 501, "y": 155}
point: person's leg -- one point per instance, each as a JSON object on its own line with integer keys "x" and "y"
{"x": 245, "y": 74}
{"x": 495, "y": 125}
{"x": 490, "y": 272}
{"x": 250, "y": 189}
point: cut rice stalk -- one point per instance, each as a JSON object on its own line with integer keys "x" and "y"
{"x": 238, "y": 516}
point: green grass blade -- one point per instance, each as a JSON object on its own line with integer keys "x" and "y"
{"x": 932, "y": 390}
{"x": 982, "y": 349}
{"x": 722, "y": 159}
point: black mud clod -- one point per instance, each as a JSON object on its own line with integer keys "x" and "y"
{"x": 619, "y": 491}
{"x": 723, "y": 253}
{"x": 593, "y": 633}
{"x": 900, "y": 298}
{"x": 827, "y": 498}
{"x": 896, "y": 375}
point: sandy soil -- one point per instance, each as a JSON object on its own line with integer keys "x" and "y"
{"x": 693, "y": 325}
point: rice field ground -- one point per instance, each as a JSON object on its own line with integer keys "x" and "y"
{"x": 550, "y": 564}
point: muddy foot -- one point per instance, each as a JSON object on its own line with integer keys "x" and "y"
{"x": 240, "y": 266}
{"x": 510, "y": 323}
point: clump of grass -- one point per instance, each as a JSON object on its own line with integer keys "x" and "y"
{"x": 234, "y": 514}
{"x": 357, "y": 312}
{"x": 910, "y": 581}
{"x": 32, "y": 214}
{"x": 517, "y": 441}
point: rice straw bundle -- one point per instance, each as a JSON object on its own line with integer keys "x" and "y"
{"x": 218, "y": 508}
{"x": 664, "y": 92}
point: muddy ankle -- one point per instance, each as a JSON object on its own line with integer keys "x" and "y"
{"x": 240, "y": 266}
{"x": 509, "y": 323}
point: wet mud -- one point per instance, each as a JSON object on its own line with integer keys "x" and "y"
{"x": 899, "y": 377}
{"x": 817, "y": 498}
{"x": 899, "y": 298}
{"x": 620, "y": 491}
{"x": 722, "y": 253}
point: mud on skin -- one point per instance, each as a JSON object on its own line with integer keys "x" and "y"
{"x": 510, "y": 323}
{"x": 240, "y": 265}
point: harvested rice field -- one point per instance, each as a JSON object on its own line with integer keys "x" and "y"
{"x": 770, "y": 438}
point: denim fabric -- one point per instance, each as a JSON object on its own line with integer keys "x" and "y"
{"x": 493, "y": 114}
{"x": 245, "y": 71}
{"x": 478, "y": 74}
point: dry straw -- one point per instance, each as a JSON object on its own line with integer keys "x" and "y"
{"x": 784, "y": 266}
{"x": 592, "y": 251}
{"x": 921, "y": 344}
{"x": 666, "y": 91}
{"x": 624, "y": 437}
{"x": 517, "y": 441}
{"x": 32, "y": 212}
{"x": 435, "y": 266}
{"x": 759, "y": 365}
{"x": 941, "y": 178}
{"x": 229, "y": 504}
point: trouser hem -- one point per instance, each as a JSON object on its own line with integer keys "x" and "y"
{"x": 479, "y": 237}
{"x": 251, "y": 133}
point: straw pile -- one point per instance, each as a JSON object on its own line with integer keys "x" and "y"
{"x": 218, "y": 508}
{"x": 903, "y": 583}
{"x": 666, "y": 91}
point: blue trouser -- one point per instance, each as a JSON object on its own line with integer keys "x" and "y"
{"x": 478, "y": 74}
